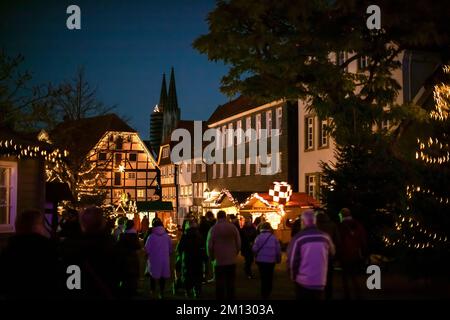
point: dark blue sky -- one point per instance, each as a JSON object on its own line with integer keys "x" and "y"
{"x": 125, "y": 47}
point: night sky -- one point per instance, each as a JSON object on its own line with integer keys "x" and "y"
{"x": 125, "y": 46}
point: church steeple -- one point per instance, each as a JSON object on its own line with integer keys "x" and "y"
{"x": 171, "y": 111}
{"x": 172, "y": 101}
{"x": 163, "y": 95}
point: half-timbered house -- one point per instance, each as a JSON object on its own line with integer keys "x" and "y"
{"x": 108, "y": 157}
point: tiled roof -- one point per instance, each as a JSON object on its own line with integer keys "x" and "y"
{"x": 236, "y": 106}
{"x": 80, "y": 136}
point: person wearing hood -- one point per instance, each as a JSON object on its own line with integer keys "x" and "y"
{"x": 158, "y": 248}
{"x": 352, "y": 253}
{"x": 267, "y": 253}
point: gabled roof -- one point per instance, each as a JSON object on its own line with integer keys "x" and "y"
{"x": 236, "y": 106}
{"x": 80, "y": 136}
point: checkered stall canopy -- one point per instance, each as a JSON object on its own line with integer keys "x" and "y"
{"x": 280, "y": 192}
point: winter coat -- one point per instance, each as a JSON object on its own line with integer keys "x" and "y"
{"x": 128, "y": 247}
{"x": 224, "y": 243}
{"x": 191, "y": 255}
{"x": 353, "y": 242}
{"x": 145, "y": 225}
{"x": 308, "y": 256}
{"x": 248, "y": 236}
{"x": 267, "y": 248}
{"x": 98, "y": 258}
{"x": 158, "y": 248}
{"x": 29, "y": 268}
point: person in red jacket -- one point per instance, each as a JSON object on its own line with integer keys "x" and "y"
{"x": 352, "y": 253}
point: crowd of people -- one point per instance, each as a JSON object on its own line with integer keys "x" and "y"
{"x": 109, "y": 257}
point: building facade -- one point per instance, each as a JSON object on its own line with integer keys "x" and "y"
{"x": 169, "y": 176}
{"x": 242, "y": 175}
{"x": 316, "y": 145}
{"x": 23, "y": 162}
{"x": 109, "y": 157}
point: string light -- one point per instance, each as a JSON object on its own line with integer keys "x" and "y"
{"x": 435, "y": 152}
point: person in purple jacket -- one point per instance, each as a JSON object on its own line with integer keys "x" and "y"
{"x": 158, "y": 248}
{"x": 267, "y": 253}
{"x": 308, "y": 254}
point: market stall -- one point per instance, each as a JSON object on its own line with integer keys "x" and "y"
{"x": 277, "y": 206}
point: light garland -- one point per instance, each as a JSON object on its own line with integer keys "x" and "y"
{"x": 424, "y": 238}
{"x": 411, "y": 189}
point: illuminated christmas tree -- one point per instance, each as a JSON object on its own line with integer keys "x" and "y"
{"x": 425, "y": 224}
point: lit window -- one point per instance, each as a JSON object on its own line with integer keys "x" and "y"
{"x": 165, "y": 152}
{"x": 224, "y": 136}
{"x": 309, "y": 134}
{"x": 247, "y": 166}
{"x": 230, "y": 139}
{"x": 131, "y": 175}
{"x": 269, "y": 123}
{"x": 341, "y": 57}
{"x": 248, "y": 126}
{"x": 323, "y": 134}
{"x": 8, "y": 193}
{"x": 279, "y": 119}
{"x": 258, "y": 126}
{"x": 140, "y": 193}
{"x": 239, "y": 130}
{"x": 363, "y": 63}
{"x": 313, "y": 185}
{"x": 258, "y": 166}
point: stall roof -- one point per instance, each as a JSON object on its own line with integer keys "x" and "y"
{"x": 298, "y": 199}
{"x": 143, "y": 206}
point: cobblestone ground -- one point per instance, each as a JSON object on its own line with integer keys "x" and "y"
{"x": 394, "y": 286}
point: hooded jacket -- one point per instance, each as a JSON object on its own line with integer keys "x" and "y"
{"x": 158, "y": 248}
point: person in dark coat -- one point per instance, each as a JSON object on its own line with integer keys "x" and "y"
{"x": 204, "y": 227}
{"x": 248, "y": 236}
{"x": 96, "y": 255}
{"x": 29, "y": 266}
{"x": 145, "y": 225}
{"x": 325, "y": 224}
{"x": 128, "y": 248}
{"x": 191, "y": 255}
{"x": 70, "y": 225}
{"x": 352, "y": 253}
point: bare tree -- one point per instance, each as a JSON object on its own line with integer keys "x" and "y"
{"x": 22, "y": 106}
{"x": 78, "y": 99}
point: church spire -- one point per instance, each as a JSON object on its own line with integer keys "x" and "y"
{"x": 163, "y": 96}
{"x": 172, "y": 101}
